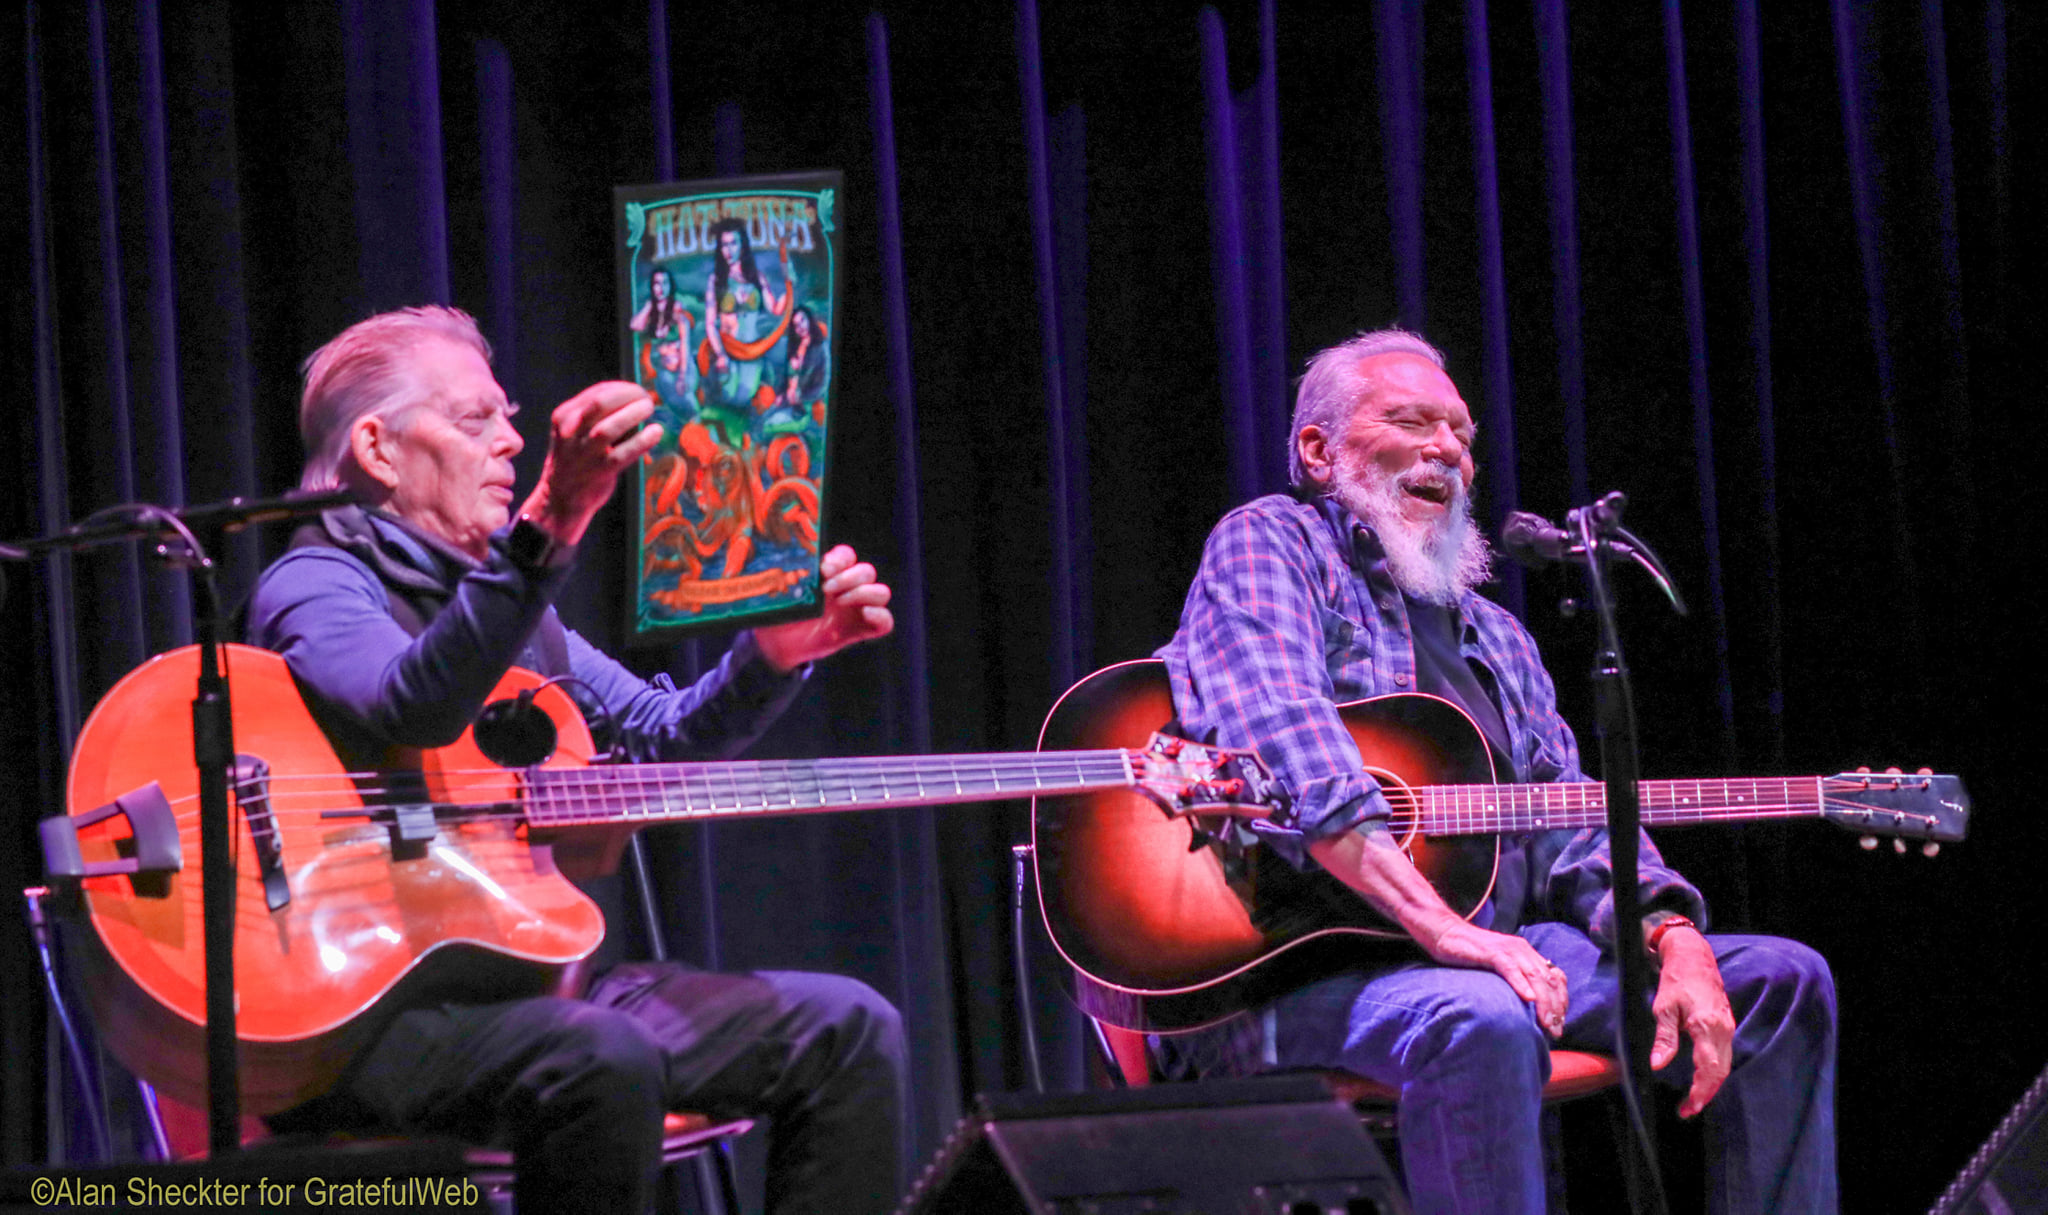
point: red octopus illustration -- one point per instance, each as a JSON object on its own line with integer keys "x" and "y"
{"x": 739, "y": 493}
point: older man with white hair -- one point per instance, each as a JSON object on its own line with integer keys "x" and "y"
{"x": 1361, "y": 585}
{"x": 398, "y": 620}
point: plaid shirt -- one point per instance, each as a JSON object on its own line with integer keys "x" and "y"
{"x": 1292, "y": 613}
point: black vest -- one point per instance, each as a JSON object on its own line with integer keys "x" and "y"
{"x": 415, "y": 596}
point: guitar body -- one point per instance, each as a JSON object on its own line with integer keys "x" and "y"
{"x": 1162, "y": 937}
{"x": 365, "y": 934}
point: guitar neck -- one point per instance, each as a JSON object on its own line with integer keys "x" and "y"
{"x": 686, "y": 792}
{"x": 1502, "y": 809}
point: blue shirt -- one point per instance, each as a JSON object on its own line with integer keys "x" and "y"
{"x": 369, "y": 680}
{"x": 1292, "y": 613}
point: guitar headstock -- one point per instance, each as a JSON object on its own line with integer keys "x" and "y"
{"x": 1907, "y": 806}
{"x": 1194, "y": 778}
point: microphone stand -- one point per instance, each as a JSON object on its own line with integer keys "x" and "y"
{"x": 1597, "y": 533}
{"x": 213, "y": 746}
{"x": 213, "y": 749}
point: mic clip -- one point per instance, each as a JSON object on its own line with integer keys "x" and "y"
{"x": 1534, "y": 541}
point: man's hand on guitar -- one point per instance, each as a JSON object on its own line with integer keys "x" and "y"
{"x": 1531, "y": 974}
{"x": 1373, "y": 865}
{"x": 1690, "y": 998}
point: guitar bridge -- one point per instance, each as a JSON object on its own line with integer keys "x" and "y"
{"x": 252, "y": 794}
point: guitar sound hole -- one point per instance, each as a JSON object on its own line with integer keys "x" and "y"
{"x": 1401, "y": 802}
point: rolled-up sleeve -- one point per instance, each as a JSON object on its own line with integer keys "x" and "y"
{"x": 1248, "y": 667}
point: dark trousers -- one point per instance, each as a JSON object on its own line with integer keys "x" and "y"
{"x": 577, "y": 1088}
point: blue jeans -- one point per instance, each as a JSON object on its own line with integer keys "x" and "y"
{"x": 1469, "y": 1061}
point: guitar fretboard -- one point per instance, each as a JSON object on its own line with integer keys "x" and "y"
{"x": 1498, "y": 809}
{"x": 563, "y": 797}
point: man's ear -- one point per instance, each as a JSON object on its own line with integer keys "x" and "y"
{"x": 370, "y": 441}
{"x": 1314, "y": 448}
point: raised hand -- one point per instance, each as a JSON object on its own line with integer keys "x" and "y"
{"x": 593, "y": 437}
{"x": 856, "y": 610}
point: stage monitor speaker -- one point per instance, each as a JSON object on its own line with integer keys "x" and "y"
{"x": 2009, "y": 1174}
{"x": 1279, "y": 1145}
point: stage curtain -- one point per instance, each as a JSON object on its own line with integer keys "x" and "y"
{"x": 1773, "y": 273}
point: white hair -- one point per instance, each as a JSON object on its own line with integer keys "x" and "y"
{"x": 367, "y": 371}
{"x": 1330, "y": 389}
{"x": 1434, "y": 562}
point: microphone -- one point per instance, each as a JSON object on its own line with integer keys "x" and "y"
{"x": 1532, "y": 541}
{"x": 142, "y": 520}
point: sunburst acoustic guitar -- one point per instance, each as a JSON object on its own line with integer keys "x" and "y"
{"x": 1168, "y": 925}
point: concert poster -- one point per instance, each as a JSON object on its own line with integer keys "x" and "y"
{"x": 728, "y": 316}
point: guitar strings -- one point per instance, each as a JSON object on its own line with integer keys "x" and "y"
{"x": 489, "y": 786}
{"x": 843, "y": 780}
{"x": 628, "y": 793}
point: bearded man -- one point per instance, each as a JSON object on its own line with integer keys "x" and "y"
{"x": 1360, "y": 586}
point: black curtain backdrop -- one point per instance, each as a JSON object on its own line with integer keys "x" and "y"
{"x": 1775, "y": 275}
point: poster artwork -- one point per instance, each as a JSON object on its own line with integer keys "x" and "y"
{"x": 728, "y": 294}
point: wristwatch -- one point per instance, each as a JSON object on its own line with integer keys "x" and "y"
{"x": 533, "y": 549}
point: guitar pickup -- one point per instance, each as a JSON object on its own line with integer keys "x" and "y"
{"x": 412, "y": 828}
{"x": 412, "y": 825}
{"x": 152, "y": 839}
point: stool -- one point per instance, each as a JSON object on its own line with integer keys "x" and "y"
{"x": 705, "y": 1143}
{"x": 1573, "y": 1073}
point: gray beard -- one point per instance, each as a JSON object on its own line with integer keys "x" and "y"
{"x": 1434, "y": 562}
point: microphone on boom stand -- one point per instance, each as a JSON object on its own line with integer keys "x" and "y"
{"x": 1535, "y": 542}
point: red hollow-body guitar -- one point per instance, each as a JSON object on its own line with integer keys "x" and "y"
{"x": 437, "y": 877}
{"x": 1166, "y": 929}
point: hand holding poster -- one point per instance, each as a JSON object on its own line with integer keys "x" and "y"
{"x": 728, "y": 293}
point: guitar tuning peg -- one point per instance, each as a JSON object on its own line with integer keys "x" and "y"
{"x": 1931, "y": 848}
{"x": 1893, "y": 771}
{"x": 1899, "y": 846}
{"x": 1865, "y": 768}
{"x": 1868, "y": 843}
{"x": 1925, "y": 772}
